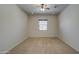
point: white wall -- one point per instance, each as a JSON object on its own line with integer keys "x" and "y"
{"x": 69, "y": 26}
{"x": 34, "y": 28}
{"x": 13, "y": 27}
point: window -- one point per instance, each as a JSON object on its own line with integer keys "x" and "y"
{"x": 43, "y": 24}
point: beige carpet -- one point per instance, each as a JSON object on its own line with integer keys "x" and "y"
{"x": 43, "y": 46}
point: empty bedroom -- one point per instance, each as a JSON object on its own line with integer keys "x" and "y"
{"x": 39, "y": 28}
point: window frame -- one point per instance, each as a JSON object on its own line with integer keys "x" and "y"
{"x": 42, "y": 25}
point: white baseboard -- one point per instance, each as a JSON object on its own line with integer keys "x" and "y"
{"x": 44, "y": 37}
{"x": 68, "y": 44}
{"x": 5, "y": 52}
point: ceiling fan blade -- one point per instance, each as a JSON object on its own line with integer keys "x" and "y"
{"x": 48, "y": 8}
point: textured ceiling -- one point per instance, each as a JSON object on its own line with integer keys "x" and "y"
{"x": 35, "y": 9}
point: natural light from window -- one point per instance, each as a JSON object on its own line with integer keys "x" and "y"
{"x": 43, "y": 24}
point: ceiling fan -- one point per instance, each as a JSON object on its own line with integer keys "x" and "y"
{"x": 43, "y": 7}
